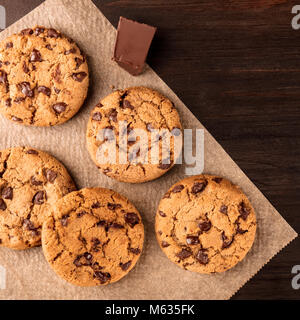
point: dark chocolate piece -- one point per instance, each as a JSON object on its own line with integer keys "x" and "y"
{"x": 132, "y": 45}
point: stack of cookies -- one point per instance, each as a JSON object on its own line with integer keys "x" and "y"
{"x": 95, "y": 236}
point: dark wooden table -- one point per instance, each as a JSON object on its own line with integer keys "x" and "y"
{"x": 236, "y": 65}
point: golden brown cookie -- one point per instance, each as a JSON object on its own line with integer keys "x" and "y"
{"x": 44, "y": 77}
{"x": 94, "y": 237}
{"x": 205, "y": 224}
{"x": 141, "y": 108}
{"x": 31, "y": 181}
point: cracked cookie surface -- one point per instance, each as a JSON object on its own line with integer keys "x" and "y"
{"x": 94, "y": 237}
{"x": 31, "y": 181}
{"x": 205, "y": 224}
{"x": 43, "y": 77}
{"x": 141, "y": 108}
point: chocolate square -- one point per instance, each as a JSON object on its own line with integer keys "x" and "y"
{"x": 132, "y": 45}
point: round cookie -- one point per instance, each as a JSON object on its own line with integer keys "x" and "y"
{"x": 205, "y": 224}
{"x": 143, "y": 109}
{"x": 44, "y": 77}
{"x": 31, "y": 181}
{"x": 94, "y": 237}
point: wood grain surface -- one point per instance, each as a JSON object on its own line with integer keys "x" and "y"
{"x": 236, "y": 65}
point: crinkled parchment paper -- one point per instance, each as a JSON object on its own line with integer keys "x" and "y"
{"x": 155, "y": 277}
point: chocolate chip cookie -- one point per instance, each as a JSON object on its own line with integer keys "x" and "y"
{"x": 135, "y": 113}
{"x": 31, "y": 181}
{"x": 94, "y": 237}
{"x": 205, "y": 224}
{"x": 44, "y": 77}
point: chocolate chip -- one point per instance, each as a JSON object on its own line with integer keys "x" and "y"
{"x": 26, "y": 32}
{"x": 132, "y": 219}
{"x": 31, "y": 151}
{"x": 8, "y": 102}
{"x": 57, "y": 74}
{"x": 177, "y": 189}
{"x": 165, "y": 244}
{"x": 95, "y": 244}
{"x": 243, "y": 210}
{"x": 7, "y": 63}
{"x": 35, "y": 182}
{"x": 167, "y": 195}
{"x": 35, "y": 233}
{"x": 202, "y": 257}
{"x": 109, "y": 133}
{"x": 113, "y": 206}
{"x": 162, "y": 214}
{"x": 77, "y": 262}
{"x": 106, "y": 171}
{"x": 97, "y": 116}
{"x": 38, "y": 31}
{"x": 50, "y": 175}
{"x": 9, "y": 45}
{"x": 88, "y": 256}
{"x": 184, "y": 254}
{"x": 44, "y": 90}
{"x": 7, "y": 193}
{"x": 239, "y": 230}
{"x": 192, "y": 240}
{"x": 199, "y": 187}
{"x": 127, "y": 104}
{"x": 101, "y": 223}
{"x": 2, "y": 205}
{"x": 64, "y": 220}
{"x": 117, "y": 226}
{"x": 52, "y": 33}
{"x": 49, "y": 47}
{"x": 27, "y": 223}
{"x": 24, "y": 87}
{"x": 149, "y": 127}
{"x": 67, "y": 52}
{"x": 35, "y": 56}
{"x": 13, "y": 118}
{"x": 80, "y": 76}
{"x": 113, "y": 115}
{"x": 226, "y": 242}
{"x": 131, "y": 143}
{"x": 79, "y": 62}
{"x": 135, "y": 251}
{"x": 204, "y": 226}
{"x": 95, "y": 241}
{"x": 224, "y": 209}
{"x": 99, "y": 105}
{"x": 19, "y": 100}
{"x": 81, "y": 213}
{"x": 83, "y": 260}
{"x": 125, "y": 266}
{"x": 3, "y": 77}
{"x": 59, "y": 107}
{"x": 96, "y": 205}
{"x": 39, "y": 198}
{"x": 102, "y": 276}
{"x": 25, "y": 67}
{"x": 164, "y": 166}
{"x": 217, "y": 179}
{"x": 96, "y": 266}
{"x": 57, "y": 91}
